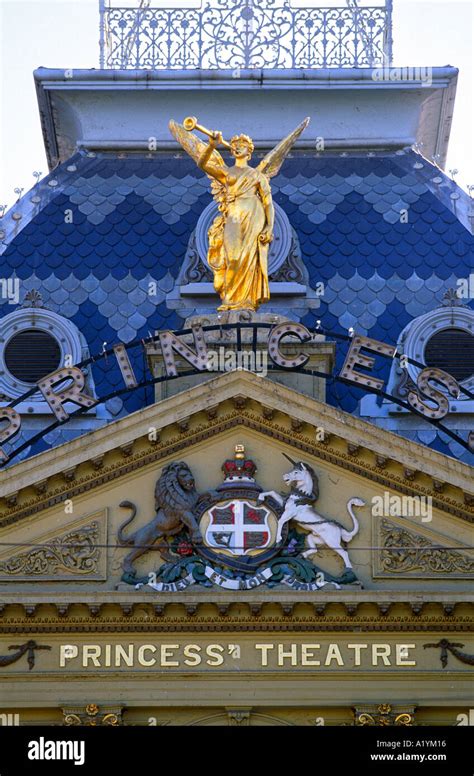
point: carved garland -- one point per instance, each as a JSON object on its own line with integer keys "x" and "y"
{"x": 28, "y": 648}
{"x": 455, "y": 648}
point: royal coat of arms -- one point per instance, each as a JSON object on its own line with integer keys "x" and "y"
{"x": 238, "y": 536}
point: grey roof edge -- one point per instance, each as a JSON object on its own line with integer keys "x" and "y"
{"x": 434, "y": 122}
{"x": 261, "y": 77}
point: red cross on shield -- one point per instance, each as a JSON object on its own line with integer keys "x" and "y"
{"x": 238, "y": 526}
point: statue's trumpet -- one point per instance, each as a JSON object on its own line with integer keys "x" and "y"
{"x": 191, "y": 122}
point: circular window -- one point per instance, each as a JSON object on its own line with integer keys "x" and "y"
{"x": 34, "y": 342}
{"x": 31, "y": 354}
{"x": 442, "y": 338}
{"x": 453, "y": 351}
{"x": 278, "y": 249}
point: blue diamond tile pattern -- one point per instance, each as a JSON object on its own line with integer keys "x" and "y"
{"x": 104, "y": 246}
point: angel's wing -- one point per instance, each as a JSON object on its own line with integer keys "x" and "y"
{"x": 195, "y": 148}
{"x": 271, "y": 163}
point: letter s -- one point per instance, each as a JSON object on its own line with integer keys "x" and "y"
{"x": 214, "y": 651}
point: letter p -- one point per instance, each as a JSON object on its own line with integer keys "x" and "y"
{"x": 67, "y": 652}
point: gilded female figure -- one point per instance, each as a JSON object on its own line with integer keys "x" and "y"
{"x": 240, "y": 235}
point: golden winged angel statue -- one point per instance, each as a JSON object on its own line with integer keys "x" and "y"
{"x": 239, "y": 236}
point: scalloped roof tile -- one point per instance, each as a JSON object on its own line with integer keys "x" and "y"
{"x": 132, "y": 219}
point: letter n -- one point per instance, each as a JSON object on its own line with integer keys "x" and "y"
{"x": 170, "y": 342}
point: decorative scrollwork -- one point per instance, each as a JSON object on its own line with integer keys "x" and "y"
{"x": 75, "y": 552}
{"x": 384, "y": 716}
{"x": 293, "y": 269}
{"x": 232, "y": 34}
{"x": 90, "y": 717}
{"x": 404, "y": 551}
{"x": 195, "y": 270}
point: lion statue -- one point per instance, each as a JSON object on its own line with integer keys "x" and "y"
{"x": 175, "y": 500}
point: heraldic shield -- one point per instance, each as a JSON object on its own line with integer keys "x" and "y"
{"x": 238, "y": 530}
{"x": 239, "y": 527}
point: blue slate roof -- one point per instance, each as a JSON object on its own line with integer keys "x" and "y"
{"x": 131, "y": 218}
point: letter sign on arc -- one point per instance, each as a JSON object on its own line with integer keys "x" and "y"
{"x": 66, "y": 384}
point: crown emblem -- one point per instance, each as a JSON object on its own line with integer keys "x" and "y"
{"x": 239, "y": 468}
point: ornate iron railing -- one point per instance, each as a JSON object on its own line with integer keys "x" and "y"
{"x": 238, "y": 34}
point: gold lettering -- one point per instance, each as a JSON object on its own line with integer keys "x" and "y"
{"x": 166, "y": 652}
{"x": 334, "y": 653}
{"x": 67, "y": 652}
{"x": 381, "y": 651}
{"x": 284, "y": 655}
{"x": 121, "y": 654}
{"x": 402, "y": 654}
{"x": 213, "y": 650}
{"x": 190, "y": 652}
{"x": 307, "y": 654}
{"x": 141, "y": 655}
{"x": 91, "y": 652}
{"x": 357, "y": 650}
{"x": 265, "y": 648}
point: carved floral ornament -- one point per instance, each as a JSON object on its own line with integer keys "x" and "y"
{"x": 67, "y": 384}
{"x": 406, "y": 552}
{"x": 75, "y": 552}
{"x": 91, "y": 716}
{"x": 383, "y": 716}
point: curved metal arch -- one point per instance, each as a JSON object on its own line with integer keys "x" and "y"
{"x": 226, "y": 327}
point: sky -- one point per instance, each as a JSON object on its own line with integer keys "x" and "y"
{"x": 65, "y": 33}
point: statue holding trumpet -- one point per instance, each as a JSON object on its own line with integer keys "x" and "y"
{"x": 240, "y": 235}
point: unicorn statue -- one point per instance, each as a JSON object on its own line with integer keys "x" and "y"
{"x": 299, "y": 506}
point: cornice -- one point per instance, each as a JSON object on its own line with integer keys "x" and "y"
{"x": 79, "y": 107}
{"x": 276, "y": 610}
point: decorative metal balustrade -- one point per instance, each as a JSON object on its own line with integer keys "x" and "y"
{"x": 238, "y": 34}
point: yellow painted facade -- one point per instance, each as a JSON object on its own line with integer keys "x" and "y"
{"x": 212, "y": 656}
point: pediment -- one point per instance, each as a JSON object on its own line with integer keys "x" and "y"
{"x": 357, "y": 466}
